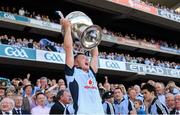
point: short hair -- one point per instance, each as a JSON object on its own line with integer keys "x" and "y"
{"x": 60, "y": 93}
{"x": 44, "y": 78}
{"x": 130, "y": 89}
{"x": 139, "y": 101}
{"x": 39, "y": 94}
{"x": 161, "y": 84}
{"x": 169, "y": 94}
{"x": 6, "y": 99}
{"x": 177, "y": 95}
{"x": 118, "y": 88}
{"x": 149, "y": 87}
{"x": 80, "y": 53}
{"x": 32, "y": 86}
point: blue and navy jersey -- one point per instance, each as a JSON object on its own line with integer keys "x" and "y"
{"x": 157, "y": 107}
{"x": 108, "y": 108}
{"x": 122, "y": 107}
{"x": 84, "y": 91}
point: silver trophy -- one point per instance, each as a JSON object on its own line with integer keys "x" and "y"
{"x": 88, "y": 35}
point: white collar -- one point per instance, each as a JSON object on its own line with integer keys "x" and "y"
{"x": 62, "y": 104}
{"x": 17, "y": 108}
{"x": 10, "y": 112}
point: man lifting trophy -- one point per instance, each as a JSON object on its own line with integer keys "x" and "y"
{"x": 79, "y": 71}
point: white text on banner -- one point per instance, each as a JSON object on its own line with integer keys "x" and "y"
{"x": 111, "y": 64}
{"x": 52, "y": 57}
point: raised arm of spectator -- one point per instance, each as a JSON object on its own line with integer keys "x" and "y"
{"x": 94, "y": 59}
{"x": 68, "y": 42}
{"x": 106, "y": 79}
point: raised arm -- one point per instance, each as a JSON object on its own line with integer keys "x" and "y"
{"x": 68, "y": 42}
{"x": 94, "y": 59}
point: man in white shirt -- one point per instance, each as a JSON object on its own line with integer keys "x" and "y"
{"x": 40, "y": 108}
{"x": 21, "y": 12}
{"x": 6, "y": 106}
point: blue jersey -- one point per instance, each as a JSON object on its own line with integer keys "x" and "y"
{"x": 122, "y": 107}
{"x": 157, "y": 107}
{"x": 84, "y": 91}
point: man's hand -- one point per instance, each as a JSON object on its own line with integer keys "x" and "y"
{"x": 66, "y": 24}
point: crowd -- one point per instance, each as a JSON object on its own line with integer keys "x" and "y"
{"x": 20, "y": 96}
{"x": 45, "y": 17}
{"x": 145, "y": 39}
{"x": 47, "y": 96}
{"x": 42, "y": 44}
{"x": 45, "y": 44}
{"x": 158, "y": 6}
{"x": 141, "y": 60}
{"x": 31, "y": 14}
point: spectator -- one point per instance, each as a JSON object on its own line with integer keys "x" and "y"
{"x": 50, "y": 98}
{"x": 28, "y": 101}
{"x": 2, "y": 91}
{"x": 132, "y": 95}
{"x": 120, "y": 102}
{"x": 170, "y": 102}
{"x": 44, "y": 84}
{"x": 106, "y": 84}
{"x": 138, "y": 92}
{"x": 154, "y": 106}
{"x": 176, "y": 111}
{"x": 101, "y": 89}
{"x": 60, "y": 106}
{"x": 131, "y": 98}
{"x": 108, "y": 100}
{"x": 18, "y": 106}
{"x": 122, "y": 87}
{"x": 40, "y": 108}
{"x": 6, "y": 106}
{"x": 53, "y": 82}
{"x": 21, "y": 12}
{"x": 62, "y": 87}
{"x": 160, "y": 91}
{"x": 61, "y": 82}
{"x": 139, "y": 107}
{"x": 172, "y": 88}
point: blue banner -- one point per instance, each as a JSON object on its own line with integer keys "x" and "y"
{"x": 17, "y": 52}
{"x": 153, "y": 70}
{"x": 169, "y": 49}
{"x": 169, "y": 15}
{"x": 13, "y": 17}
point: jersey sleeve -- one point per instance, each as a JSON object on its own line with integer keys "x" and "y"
{"x": 69, "y": 72}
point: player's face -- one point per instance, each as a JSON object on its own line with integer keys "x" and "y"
{"x": 147, "y": 95}
{"x": 118, "y": 95}
{"x": 83, "y": 62}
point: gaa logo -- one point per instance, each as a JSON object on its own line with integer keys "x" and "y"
{"x": 17, "y": 52}
{"x": 53, "y": 57}
{"x": 113, "y": 65}
{"x": 9, "y": 16}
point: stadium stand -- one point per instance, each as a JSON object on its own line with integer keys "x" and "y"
{"x": 139, "y": 59}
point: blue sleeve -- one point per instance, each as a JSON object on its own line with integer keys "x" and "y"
{"x": 93, "y": 71}
{"x": 69, "y": 71}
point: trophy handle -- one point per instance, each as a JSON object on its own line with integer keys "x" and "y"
{"x": 60, "y": 14}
